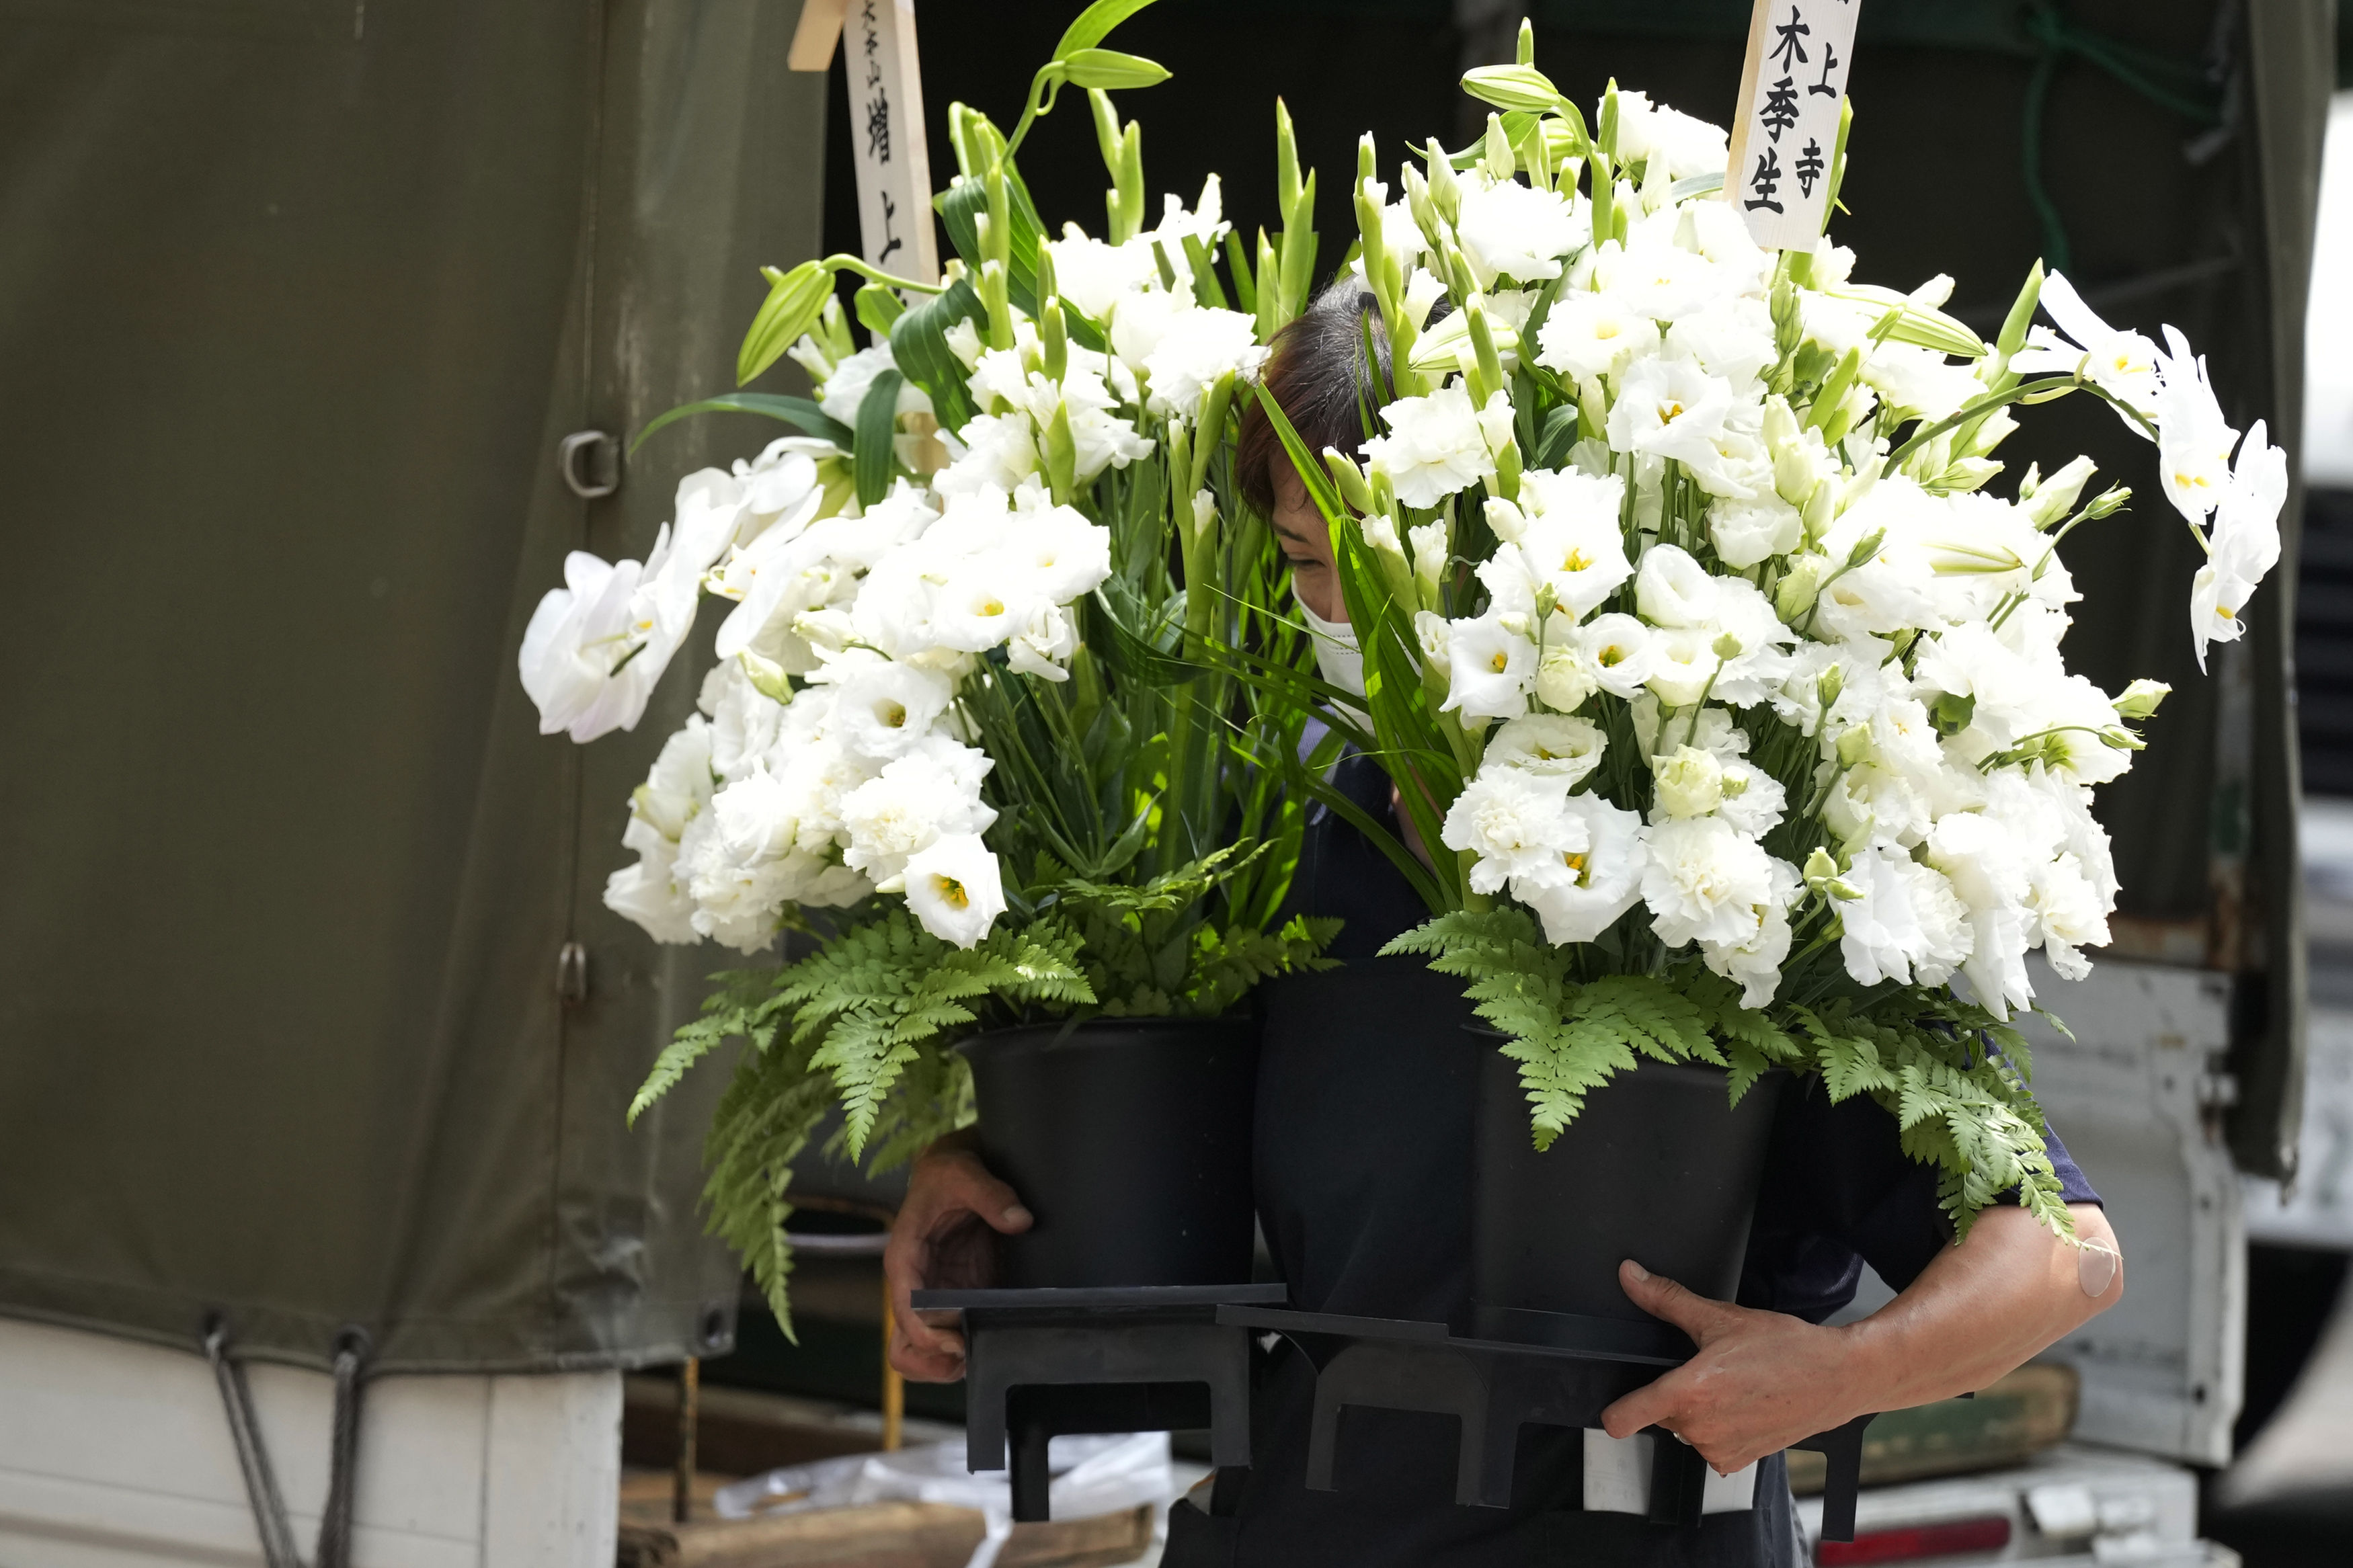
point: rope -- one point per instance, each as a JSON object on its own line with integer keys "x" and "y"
{"x": 2187, "y": 90}
{"x": 261, "y": 1481}
{"x": 334, "y": 1548}
{"x": 342, "y": 1461}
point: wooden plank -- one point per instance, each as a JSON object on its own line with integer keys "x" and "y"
{"x": 883, "y": 1535}
{"x": 2018, "y": 1416}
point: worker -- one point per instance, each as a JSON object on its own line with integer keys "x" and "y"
{"x": 1363, "y": 1152}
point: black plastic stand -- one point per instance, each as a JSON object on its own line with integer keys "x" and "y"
{"x": 1045, "y": 1363}
{"x": 1565, "y": 1373}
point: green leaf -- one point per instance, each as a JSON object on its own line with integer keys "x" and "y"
{"x": 1094, "y": 23}
{"x": 795, "y": 301}
{"x": 798, "y": 411}
{"x": 919, "y": 347}
{"x": 876, "y": 456}
{"x": 1111, "y": 70}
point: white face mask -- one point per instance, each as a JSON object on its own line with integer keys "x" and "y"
{"x": 1337, "y": 656}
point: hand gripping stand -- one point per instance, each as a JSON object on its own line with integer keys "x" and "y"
{"x": 1495, "y": 1387}
{"x": 1044, "y": 1364}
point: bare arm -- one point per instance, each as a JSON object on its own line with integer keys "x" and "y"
{"x": 1763, "y": 1379}
{"x": 941, "y": 1240}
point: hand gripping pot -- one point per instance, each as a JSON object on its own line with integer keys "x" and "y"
{"x": 1130, "y": 1141}
{"x": 1655, "y": 1168}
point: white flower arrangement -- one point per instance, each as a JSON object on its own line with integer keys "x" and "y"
{"x": 1729, "y": 515}
{"x": 961, "y": 699}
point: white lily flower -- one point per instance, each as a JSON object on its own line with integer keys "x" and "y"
{"x": 595, "y": 647}
{"x": 2194, "y": 441}
{"x": 2124, "y": 364}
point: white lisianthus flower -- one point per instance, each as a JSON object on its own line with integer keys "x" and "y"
{"x": 1490, "y": 668}
{"x": 1436, "y": 446}
{"x": 1549, "y": 746}
{"x": 1753, "y": 800}
{"x": 1517, "y": 824}
{"x": 913, "y": 803}
{"x": 1756, "y": 963}
{"x": 1617, "y": 650}
{"x": 1565, "y": 675}
{"x": 651, "y": 894}
{"x": 1707, "y": 883}
{"x": 1589, "y": 889}
{"x": 881, "y": 707}
{"x": 1908, "y": 926}
{"x": 1979, "y": 856}
{"x": 675, "y": 792}
{"x": 1669, "y": 407}
{"x": 1594, "y": 335}
{"x": 1687, "y": 782}
{"x": 1745, "y": 533}
{"x": 2222, "y": 587}
{"x": 1511, "y": 230}
{"x": 1046, "y": 648}
{"x": 1673, "y": 590}
{"x": 2004, "y": 687}
{"x": 1572, "y": 541}
{"x": 954, "y": 889}
{"x": 1683, "y": 664}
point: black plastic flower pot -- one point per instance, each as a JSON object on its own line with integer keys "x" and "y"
{"x": 1656, "y": 1168}
{"x": 1129, "y": 1139}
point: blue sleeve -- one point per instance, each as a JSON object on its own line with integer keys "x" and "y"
{"x": 1838, "y": 1191}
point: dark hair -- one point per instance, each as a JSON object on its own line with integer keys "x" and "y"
{"x": 1316, "y": 373}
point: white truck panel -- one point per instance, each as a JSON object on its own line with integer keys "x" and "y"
{"x": 115, "y": 1454}
{"x": 2135, "y": 1095}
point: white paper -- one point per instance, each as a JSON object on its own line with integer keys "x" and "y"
{"x": 1618, "y": 1477}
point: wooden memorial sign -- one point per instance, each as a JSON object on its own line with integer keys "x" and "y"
{"x": 886, "y": 125}
{"x": 1786, "y": 134}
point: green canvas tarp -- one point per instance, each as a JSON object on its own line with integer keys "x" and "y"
{"x": 296, "y": 301}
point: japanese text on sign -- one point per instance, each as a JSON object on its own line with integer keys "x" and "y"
{"x": 886, "y": 113}
{"x": 1784, "y": 137}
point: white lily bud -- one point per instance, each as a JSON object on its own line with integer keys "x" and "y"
{"x": 2052, "y": 499}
